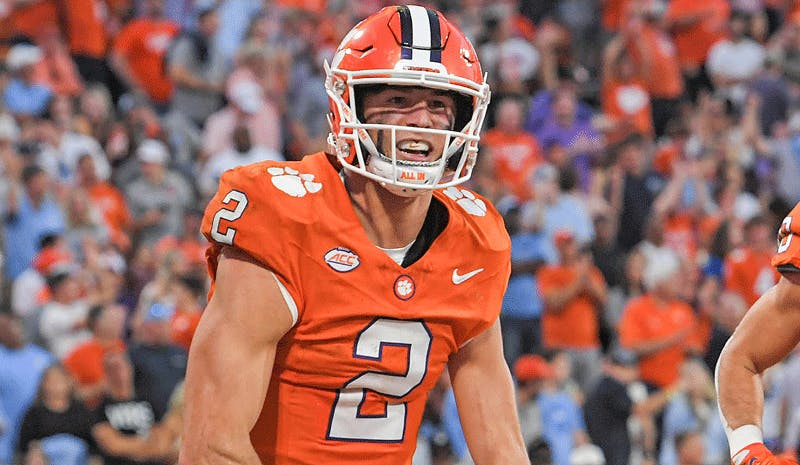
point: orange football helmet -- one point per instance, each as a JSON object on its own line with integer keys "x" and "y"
{"x": 406, "y": 46}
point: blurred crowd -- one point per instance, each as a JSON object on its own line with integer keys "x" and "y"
{"x": 643, "y": 154}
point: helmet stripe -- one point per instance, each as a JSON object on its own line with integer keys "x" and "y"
{"x": 436, "y": 36}
{"x": 421, "y": 51}
{"x": 406, "y": 32}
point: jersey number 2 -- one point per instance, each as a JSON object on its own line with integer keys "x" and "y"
{"x": 785, "y": 235}
{"x": 347, "y": 423}
{"x": 229, "y": 215}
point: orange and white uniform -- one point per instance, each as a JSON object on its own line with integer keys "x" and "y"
{"x": 787, "y": 257}
{"x": 370, "y": 337}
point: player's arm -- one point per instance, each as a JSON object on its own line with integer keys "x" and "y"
{"x": 230, "y": 362}
{"x": 768, "y": 332}
{"x": 486, "y": 403}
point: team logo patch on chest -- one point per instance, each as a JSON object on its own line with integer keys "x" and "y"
{"x": 404, "y": 287}
{"x": 342, "y": 259}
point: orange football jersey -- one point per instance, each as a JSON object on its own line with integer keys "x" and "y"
{"x": 787, "y": 258}
{"x": 371, "y": 337}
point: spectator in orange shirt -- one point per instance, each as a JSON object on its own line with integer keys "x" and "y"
{"x": 671, "y": 148}
{"x": 626, "y": 100}
{"x": 56, "y": 70}
{"x": 574, "y": 294}
{"x": 108, "y": 199}
{"x": 748, "y": 271}
{"x": 613, "y": 13}
{"x": 85, "y": 362}
{"x": 87, "y": 37}
{"x": 138, "y": 54}
{"x": 682, "y": 204}
{"x": 190, "y": 244}
{"x": 657, "y": 325}
{"x": 27, "y": 16}
{"x": 514, "y": 152}
{"x": 662, "y": 71}
{"x": 188, "y": 292}
{"x": 309, "y": 6}
{"x": 696, "y": 26}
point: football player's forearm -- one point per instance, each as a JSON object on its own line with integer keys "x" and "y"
{"x": 741, "y": 395}
{"x": 220, "y": 410}
{"x": 496, "y": 437}
{"x": 225, "y": 391}
{"x": 217, "y": 423}
{"x": 768, "y": 332}
{"x": 489, "y": 421}
{"x": 210, "y": 454}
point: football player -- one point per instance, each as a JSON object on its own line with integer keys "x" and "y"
{"x": 768, "y": 333}
{"x": 345, "y": 283}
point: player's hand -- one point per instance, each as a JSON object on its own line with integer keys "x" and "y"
{"x": 758, "y": 454}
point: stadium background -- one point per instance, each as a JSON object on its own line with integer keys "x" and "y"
{"x": 643, "y": 153}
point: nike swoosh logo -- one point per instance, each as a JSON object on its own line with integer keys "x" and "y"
{"x": 738, "y": 459}
{"x": 460, "y": 278}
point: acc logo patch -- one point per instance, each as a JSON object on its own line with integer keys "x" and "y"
{"x": 404, "y": 287}
{"x": 342, "y": 259}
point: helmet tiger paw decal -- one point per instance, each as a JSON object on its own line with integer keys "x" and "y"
{"x": 293, "y": 182}
{"x": 467, "y": 200}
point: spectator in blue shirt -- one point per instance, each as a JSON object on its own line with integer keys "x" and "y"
{"x": 695, "y": 409}
{"x": 22, "y": 95}
{"x": 520, "y": 319}
{"x": 235, "y": 17}
{"x": 32, "y": 214}
{"x": 562, "y": 422}
{"x": 22, "y": 367}
{"x": 553, "y": 208}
